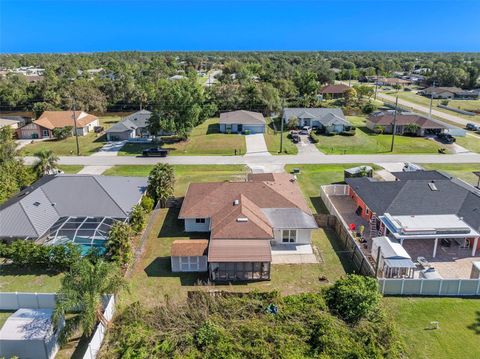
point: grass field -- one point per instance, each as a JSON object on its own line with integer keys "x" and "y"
{"x": 311, "y": 177}
{"x": 14, "y": 279}
{"x": 366, "y": 142}
{"x": 88, "y": 144}
{"x": 203, "y": 140}
{"x": 186, "y": 174}
{"x": 70, "y": 168}
{"x": 459, "y": 322}
{"x": 460, "y": 170}
{"x": 467, "y": 105}
{"x": 273, "y": 140}
{"x": 470, "y": 143}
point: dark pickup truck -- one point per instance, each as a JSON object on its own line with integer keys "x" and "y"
{"x": 446, "y": 138}
{"x": 155, "y": 152}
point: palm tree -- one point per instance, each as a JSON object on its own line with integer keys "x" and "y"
{"x": 47, "y": 162}
{"x": 83, "y": 291}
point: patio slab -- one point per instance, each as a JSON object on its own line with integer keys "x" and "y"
{"x": 293, "y": 254}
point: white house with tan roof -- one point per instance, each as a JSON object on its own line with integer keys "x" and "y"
{"x": 242, "y": 122}
{"x": 242, "y": 220}
{"x": 49, "y": 120}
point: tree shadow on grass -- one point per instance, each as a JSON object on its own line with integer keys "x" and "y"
{"x": 343, "y": 255}
{"x": 213, "y": 128}
{"x": 173, "y": 227}
{"x": 476, "y": 325}
{"x": 14, "y": 270}
{"x": 319, "y": 205}
{"x": 161, "y": 267}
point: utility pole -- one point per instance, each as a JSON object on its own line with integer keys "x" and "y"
{"x": 75, "y": 125}
{"x": 376, "y": 88}
{"x": 394, "y": 123}
{"x": 281, "y": 127}
{"x": 431, "y": 100}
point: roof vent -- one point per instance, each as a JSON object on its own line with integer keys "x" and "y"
{"x": 432, "y": 186}
{"x": 236, "y": 202}
{"x": 36, "y": 204}
{"x": 242, "y": 219}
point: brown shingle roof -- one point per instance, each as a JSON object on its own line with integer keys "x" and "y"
{"x": 242, "y": 117}
{"x": 189, "y": 247}
{"x": 385, "y": 119}
{"x": 58, "y": 119}
{"x": 243, "y": 250}
{"x": 338, "y": 88}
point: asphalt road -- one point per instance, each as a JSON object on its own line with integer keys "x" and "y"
{"x": 308, "y": 158}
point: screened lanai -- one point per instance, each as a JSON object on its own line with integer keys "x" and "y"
{"x": 86, "y": 232}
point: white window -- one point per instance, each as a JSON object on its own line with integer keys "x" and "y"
{"x": 199, "y": 220}
{"x": 289, "y": 235}
{"x": 189, "y": 264}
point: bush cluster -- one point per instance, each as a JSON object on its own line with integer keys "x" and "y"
{"x": 29, "y": 254}
{"x": 233, "y": 326}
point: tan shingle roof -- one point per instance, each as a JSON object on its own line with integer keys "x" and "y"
{"x": 385, "y": 119}
{"x": 58, "y": 119}
{"x": 338, "y": 88}
{"x": 189, "y": 247}
{"x": 243, "y": 250}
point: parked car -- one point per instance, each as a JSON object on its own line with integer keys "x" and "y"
{"x": 155, "y": 152}
{"x": 295, "y": 138}
{"x": 411, "y": 167}
{"x": 305, "y": 130}
{"x": 472, "y": 127}
{"x": 446, "y": 138}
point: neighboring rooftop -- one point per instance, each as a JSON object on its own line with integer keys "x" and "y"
{"x": 404, "y": 118}
{"x": 133, "y": 121}
{"x": 57, "y": 119}
{"x": 420, "y": 193}
{"x": 242, "y": 117}
{"x": 32, "y": 212}
{"x": 334, "y": 89}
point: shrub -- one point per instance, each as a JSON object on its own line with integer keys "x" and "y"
{"x": 314, "y": 137}
{"x": 353, "y": 298}
{"x": 350, "y": 132}
{"x": 368, "y": 108}
{"x": 50, "y": 257}
{"x": 147, "y": 203}
{"x": 444, "y": 102}
{"x": 292, "y": 123}
{"x": 119, "y": 243}
{"x": 62, "y": 132}
{"x": 137, "y": 218}
{"x": 247, "y": 132}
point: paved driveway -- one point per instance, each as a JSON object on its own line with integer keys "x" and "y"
{"x": 110, "y": 149}
{"x": 256, "y": 144}
{"x": 305, "y": 146}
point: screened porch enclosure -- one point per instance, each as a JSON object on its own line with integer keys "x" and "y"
{"x": 87, "y": 232}
{"x": 239, "y": 271}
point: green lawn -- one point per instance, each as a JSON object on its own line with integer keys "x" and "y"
{"x": 88, "y": 144}
{"x": 70, "y": 168}
{"x": 311, "y": 177}
{"x": 14, "y": 279}
{"x": 460, "y": 170}
{"x": 366, "y": 142}
{"x": 273, "y": 140}
{"x": 459, "y": 322}
{"x": 186, "y": 174}
{"x": 469, "y": 142}
{"x": 467, "y": 105}
{"x": 203, "y": 140}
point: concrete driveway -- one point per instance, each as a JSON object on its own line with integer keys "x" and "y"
{"x": 305, "y": 146}
{"x": 110, "y": 149}
{"x": 256, "y": 144}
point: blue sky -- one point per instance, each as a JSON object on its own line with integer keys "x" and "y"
{"x": 84, "y": 25}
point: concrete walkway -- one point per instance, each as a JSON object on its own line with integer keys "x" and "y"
{"x": 110, "y": 149}
{"x": 256, "y": 145}
{"x": 93, "y": 170}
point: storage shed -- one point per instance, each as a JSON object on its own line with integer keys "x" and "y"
{"x": 29, "y": 333}
{"x": 189, "y": 255}
{"x": 392, "y": 259}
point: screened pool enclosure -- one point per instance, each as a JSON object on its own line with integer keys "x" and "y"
{"x": 87, "y": 232}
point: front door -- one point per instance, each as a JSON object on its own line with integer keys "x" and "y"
{"x": 240, "y": 128}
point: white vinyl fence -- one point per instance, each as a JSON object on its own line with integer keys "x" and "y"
{"x": 97, "y": 338}
{"x": 430, "y": 287}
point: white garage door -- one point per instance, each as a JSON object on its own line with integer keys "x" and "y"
{"x": 189, "y": 264}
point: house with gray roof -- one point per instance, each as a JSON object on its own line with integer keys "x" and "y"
{"x": 242, "y": 122}
{"x": 330, "y": 120}
{"x": 70, "y": 208}
{"x": 134, "y": 125}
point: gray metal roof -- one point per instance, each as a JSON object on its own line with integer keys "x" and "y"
{"x": 287, "y": 218}
{"x": 34, "y": 211}
{"x": 242, "y": 117}
{"x": 316, "y": 113}
{"x": 133, "y": 121}
{"x": 399, "y": 263}
{"x": 413, "y": 196}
